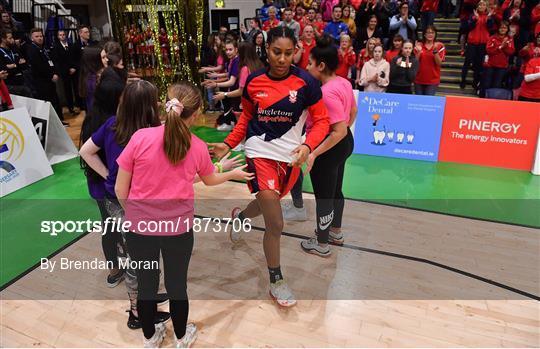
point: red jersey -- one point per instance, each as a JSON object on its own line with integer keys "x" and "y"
{"x": 535, "y": 19}
{"x": 269, "y": 24}
{"x": 346, "y": 61}
{"x": 305, "y": 55}
{"x": 528, "y": 52}
{"x": 498, "y": 56}
{"x": 480, "y": 33}
{"x": 274, "y": 113}
{"x": 429, "y": 73}
{"x": 531, "y": 89}
{"x": 430, "y": 5}
{"x": 390, "y": 54}
{"x": 363, "y": 57}
{"x": 317, "y": 26}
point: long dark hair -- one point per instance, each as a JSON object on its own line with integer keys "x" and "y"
{"x": 248, "y": 57}
{"x": 90, "y": 65}
{"x": 138, "y": 108}
{"x": 325, "y": 52}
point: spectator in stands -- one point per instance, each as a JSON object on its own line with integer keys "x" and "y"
{"x": 395, "y": 47}
{"x": 336, "y": 27}
{"x": 385, "y": 11}
{"x": 64, "y": 60}
{"x": 520, "y": 20}
{"x": 44, "y": 72}
{"x": 272, "y": 20}
{"x": 311, "y": 19}
{"x": 289, "y": 22}
{"x": 346, "y": 57}
{"x": 299, "y": 13}
{"x": 530, "y": 88}
{"x": 326, "y": 8}
{"x": 403, "y": 69}
{"x": 365, "y": 55}
{"x": 375, "y": 74}
{"x": 535, "y": 19}
{"x": 307, "y": 3}
{"x": 304, "y": 46}
{"x": 428, "y": 12}
{"x": 430, "y": 54}
{"x": 260, "y": 47}
{"x": 264, "y": 16}
{"x": 254, "y": 25}
{"x": 78, "y": 48}
{"x": 403, "y": 23}
{"x": 479, "y": 25}
{"x": 14, "y": 64}
{"x": 317, "y": 7}
{"x": 8, "y": 23}
{"x": 500, "y": 47}
{"x": 367, "y": 9}
{"x": 214, "y": 59}
{"x": 371, "y": 31}
{"x": 347, "y": 19}
{"x": 89, "y": 66}
{"x": 530, "y": 51}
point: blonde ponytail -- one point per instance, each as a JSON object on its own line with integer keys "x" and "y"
{"x": 185, "y": 101}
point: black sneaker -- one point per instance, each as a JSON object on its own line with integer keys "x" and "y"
{"x": 134, "y": 323}
{"x": 114, "y": 280}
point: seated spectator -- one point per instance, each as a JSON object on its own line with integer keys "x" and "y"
{"x": 530, "y": 87}
{"x": 403, "y": 69}
{"x": 346, "y": 57}
{"x": 260, "y": 47}
{"x": 395, "y": 47}
{"x": 336, "y": 27}
{"x": 306, "y": 43}
{"x": 500, "y": 48}
{"x": 371, "y": 31}
{"x": 14, "y": 64}
{"x": 347, "y": 19}
{"x": 311, "y": 19}
{"x": 403, "y": 23}
{"x": 272, "y": 20}
{"x": 430, "y": 54}
{"x": 375, "y": 73}
{"x": 289, "y": 22}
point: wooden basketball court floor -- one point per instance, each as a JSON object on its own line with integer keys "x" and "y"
{"x": 359, "y": 297}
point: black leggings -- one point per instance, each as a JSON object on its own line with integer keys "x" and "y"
{"x": 111, "y": 239}
{"x": 327, "y": 179}
{"x": 474, "y": 55}
{"x": 176, "y": 252}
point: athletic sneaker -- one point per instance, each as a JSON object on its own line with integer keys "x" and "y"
{"x": 134, "y": 323}
{"x": 312, "y": 246}
{"x": 225, "y": 127}
{"x": 335, "y": 238}
{"x": 282, "y": 294}
{"x": 157, "y": 338}
{"x": 114, "y": 280}
{"x": 234, "y": 235}
{"x": 293, "y": 213}
{"x": 189, "y": 337}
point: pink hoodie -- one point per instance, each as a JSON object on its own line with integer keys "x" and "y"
{"x": 371, "y": 68}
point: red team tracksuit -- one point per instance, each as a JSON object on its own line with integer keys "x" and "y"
{"x": 272, "y": 122}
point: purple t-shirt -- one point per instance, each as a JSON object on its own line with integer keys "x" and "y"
{"x": 104, "y": 138}
{"x": 233, "y": 70}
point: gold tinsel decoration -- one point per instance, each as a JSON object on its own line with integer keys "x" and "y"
{"x": 183, "y": 23}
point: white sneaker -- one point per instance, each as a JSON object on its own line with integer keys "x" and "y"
{"x": 235, "y": 234}
{"x": 225, "y": 127}
{"x": 282, "y": 294}
{"x": 335, "y": 238}
{"x": 157, "y": 338}
{"x": 292, "y": 213}
{"x": 189, "y": 337}
{"x": 312, "y": 246}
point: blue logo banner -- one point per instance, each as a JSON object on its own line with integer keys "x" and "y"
{"x": 399, "y": 126}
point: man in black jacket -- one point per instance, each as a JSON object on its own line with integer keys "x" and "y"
{"x": 64, "y": 60}
{"x": 13, "y": 64}
{"x": 44, "y": 73}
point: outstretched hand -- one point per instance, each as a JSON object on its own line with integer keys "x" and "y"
{"x": 218, "y": 150}
{"x": 300, "y": 155}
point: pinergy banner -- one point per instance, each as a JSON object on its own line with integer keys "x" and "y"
{"x": 399, "y": 126}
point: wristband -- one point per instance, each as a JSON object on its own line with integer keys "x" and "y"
{"x": 309, "y": 148}
{"x": 219, "y": 167}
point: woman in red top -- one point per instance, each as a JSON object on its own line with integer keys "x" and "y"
{"x": 272, "y": 21}
{"x": 395, "y": 48}
{"x": 532, "y": 50}
{"x": 304, "y": 47}
{"x": 430, "y": 54}
{"x": 535, "y": 20}
{"x": 519, "y": 18}
{"x": 530, "y": 88}
{"x": 500, "y": 48}
{"x": 365, "y": 55}
{"x": 346, "y": 57}
{"x": 479, "y": 25}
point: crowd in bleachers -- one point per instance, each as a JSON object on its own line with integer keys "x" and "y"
{"x": 392, "y": 45}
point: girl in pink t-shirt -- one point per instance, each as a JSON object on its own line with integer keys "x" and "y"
{"x": 326, "y": 163}
{"x": 155, "y": 186}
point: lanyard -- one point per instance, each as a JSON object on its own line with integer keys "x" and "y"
{"x": 11, "y": 57}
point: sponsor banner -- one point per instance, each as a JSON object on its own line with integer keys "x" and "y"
{"x": 22, "y": 158}
{"x": 399, "y": 126}
{"x": 490, "y": 132}
{"x": 52, "y": 134}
